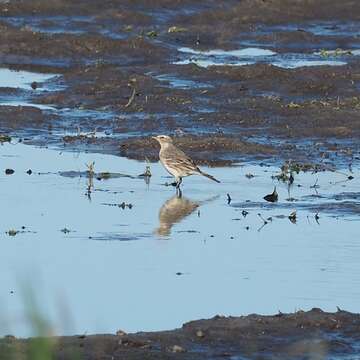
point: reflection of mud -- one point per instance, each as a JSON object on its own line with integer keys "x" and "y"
{"x": 173, "y": 211}
{"x": 340, "y": 208}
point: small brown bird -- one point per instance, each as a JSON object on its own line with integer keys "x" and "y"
{"x": 176, "y": 162}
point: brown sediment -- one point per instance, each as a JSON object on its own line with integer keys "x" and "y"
{"x": 200, "y": 148}
{"x": 227, "y": 114}
{"x": 311, "y": 334}
{"x": 252, "y": 112}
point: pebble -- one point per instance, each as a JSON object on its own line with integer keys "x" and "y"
{"x": 177, "y": 349}
{"x": 200, "y": 334}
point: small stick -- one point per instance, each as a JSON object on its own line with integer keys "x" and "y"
{"x": 228, "y": 199}
{"x": 131, "y": 99}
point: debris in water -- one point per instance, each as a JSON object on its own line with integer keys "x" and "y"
{"x": 147, "y": 172}
{"x": 176, "y": 29}
{"x": 9, "y": 171}
{"x": 29, "y": 172}
{"x": 265, "y": 222}
{"x": 336, "y": 52}
{"x": 228, "y": 199}
{"x": 123, "y": 205}
{"x": 273, "y": 197}
{"x": 152, "y": 34}
{"x": 91, "y": 168}
{"x": 315, "y": 186}
{"x": 291, "y": 179}
{"x": 4, "y": 138}
{"x": 292, "y": 217}
{"x": 90, "y": 184}
{"x": 103, "y": 176}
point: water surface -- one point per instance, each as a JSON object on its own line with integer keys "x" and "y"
{"x": 252, "y": 55}
{"x": 96, "y": 264}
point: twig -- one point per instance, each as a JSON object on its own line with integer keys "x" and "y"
{"x": 228, "y": 199}
{"x": 131, "y": 99}
{"x": 315, "y": 186}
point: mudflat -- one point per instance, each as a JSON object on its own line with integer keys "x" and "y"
{"x": 263, "y": 81}
{"x": 233, "y": 80}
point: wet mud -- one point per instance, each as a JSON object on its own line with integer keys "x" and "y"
{"x": 251, "y": 81}
{"x": 121, "y": 71}
{"x": 300, "y": 335}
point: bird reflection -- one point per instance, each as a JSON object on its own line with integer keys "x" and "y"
{"x": 174, "y": 210}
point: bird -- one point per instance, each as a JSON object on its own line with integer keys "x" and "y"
{"x": 176, "y": 162}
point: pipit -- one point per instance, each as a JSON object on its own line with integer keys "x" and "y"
{"x": 176, "y": 162}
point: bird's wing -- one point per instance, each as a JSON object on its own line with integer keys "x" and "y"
{"x": 177, "y": 158}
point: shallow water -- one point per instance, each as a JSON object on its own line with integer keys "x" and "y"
{"x": 22, "y": 80}
{"x": 249, "y": 56}
{"x": 198, "y": 253}
{"x": 321, "y": 28}
{"x": 173, "y": 81}
{"x": 6, "y": 102}
{"x": 75, "y": 25}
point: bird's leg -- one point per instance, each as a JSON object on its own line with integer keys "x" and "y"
{"x": 178, "y": 182}
{"x": 178, "y": 193}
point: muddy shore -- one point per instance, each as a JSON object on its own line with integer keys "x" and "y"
{"x": 127, "y": 70}
{"x": 118, "y": 72}
{"x": 302, "y": 335}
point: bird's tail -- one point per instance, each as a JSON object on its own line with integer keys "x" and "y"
{"x": 208, "y": 176}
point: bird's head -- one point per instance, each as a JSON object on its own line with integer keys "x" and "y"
{"x": 163, "y": 139}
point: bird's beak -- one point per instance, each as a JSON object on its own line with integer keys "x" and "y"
{"x": 154, "y": 137}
